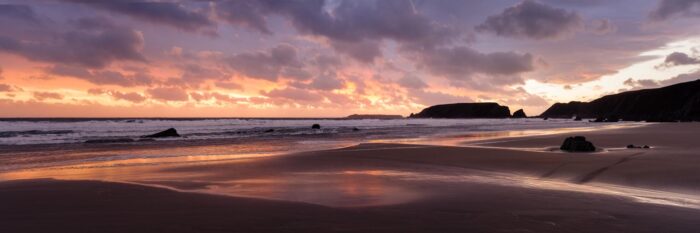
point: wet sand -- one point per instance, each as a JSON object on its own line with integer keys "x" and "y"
{"x": 515, "y": 184}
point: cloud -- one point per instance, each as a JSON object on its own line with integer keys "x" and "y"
{"x": 281, "y": 61}
{"x": 168, "y": 94}
{"x": 196, "y": 74}
{"x": 102, "y": 77}
{"x": 327, "y": 83}
{"x": 462, "y": 62}
{"x": 364, "y": 51}
{"x": 46, "y": 95}
{"x": 95, "y": 43}
{"x": 249, "y": 14}
{"x": 294, "y": 94}
{"x": 128, "y": 96}
{"x": 214, "y": 95}
{"x": 5, "y": 88}
{"x": 601, "y": 26}
{"x": 671, "y": 8}
{"x": 679, "y": 59}
{"x": 521, "y": 98}
{"x": 173, "y": 14}
{"x": 533, "y": 20}
{"x": 349, "y": 24}
{"x": 432, "y": 98}
{"x": 229, "y": 85}
{"x": 19, "y": 13}
{"x": 412, "y": 82}
{"x": 96, "y": 91}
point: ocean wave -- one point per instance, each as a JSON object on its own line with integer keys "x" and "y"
{"x": 9, "y": 134}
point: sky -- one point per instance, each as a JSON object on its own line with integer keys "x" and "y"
{"x": 332, "y": 58}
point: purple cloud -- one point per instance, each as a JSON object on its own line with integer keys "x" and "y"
{"x": 278, "y": 62}
{"x": 173, "y": 14}
{"x": 533, "y": 20}
{"x": 670, "y": 8}
{"x": 102, "y": 77}
{"x": 461, "y": 62}
{"x": 679, "y": 59}
{"x": 95, "y": 43}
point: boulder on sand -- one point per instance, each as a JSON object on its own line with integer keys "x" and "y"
{"x": 577, "y": 144}
{"x": 316, "y": 126}
{"x": 164, "y": 134}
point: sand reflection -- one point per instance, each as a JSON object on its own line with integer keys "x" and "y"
{"x": 340, "y": 189}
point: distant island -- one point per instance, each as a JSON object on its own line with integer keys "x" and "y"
{"x": 373, "y": 116}
{"x": 679, "y": 102}
{"x": 464, "y": 110}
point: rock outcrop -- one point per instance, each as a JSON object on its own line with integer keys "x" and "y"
{"x": 164, "y": 134}
{"x": 464, "y": 110}
{"x": 577, "y": 144}
{"x": 519, "y": 114}
{"x": 679, "y": 102}
{"x": 316, "y": 126}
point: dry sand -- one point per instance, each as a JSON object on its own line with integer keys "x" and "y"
{"x": 514, "y": 184}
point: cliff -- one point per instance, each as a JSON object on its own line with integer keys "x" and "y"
{"x": 679, "y": 102}
{"x": 464, "y": 110}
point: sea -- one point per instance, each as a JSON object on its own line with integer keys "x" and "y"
{"x": 39, "y": 131}
{"x": 27, "y": 143}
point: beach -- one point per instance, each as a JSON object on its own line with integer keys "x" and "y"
{"x": 494, "y": 184}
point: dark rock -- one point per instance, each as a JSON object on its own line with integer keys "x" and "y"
{"x": 465, "y": 110}
{"x": 355, "y": 129}
{"x": 606, "y": 119}
{"x": 546, "y": 118}
{"x": 519, "y": 114}
{"x": 578, "y": 118}
{"x": 577, "y": 144}
{"x": 110, "y": 140}
{"x": 632, "y": 146}
{"x": 679, "y": 102}
{"x": 316, "y": 126}
{"x": 269, "y": 131}
{"x": 164, "y": 134}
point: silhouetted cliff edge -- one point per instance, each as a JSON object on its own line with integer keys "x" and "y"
{"x": 464, "y": 110}
{"x": 678, "y": 102}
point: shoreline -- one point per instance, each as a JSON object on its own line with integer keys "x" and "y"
{"x": 500, "y": 183}
{"x": 34, "y": 156}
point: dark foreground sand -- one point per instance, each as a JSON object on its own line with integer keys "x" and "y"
{"x": 502, "y": 185}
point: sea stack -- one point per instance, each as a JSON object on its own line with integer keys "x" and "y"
{"x": 519, "y": 114}
{"x": 464, "y": 110}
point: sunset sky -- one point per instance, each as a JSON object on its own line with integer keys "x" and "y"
{"x": 315, "y": 58}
